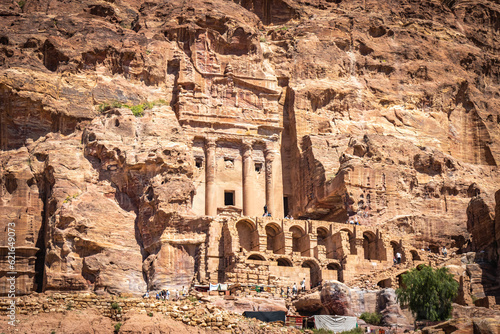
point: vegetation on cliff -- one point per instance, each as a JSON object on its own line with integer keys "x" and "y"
{"x": 428, "y": 292}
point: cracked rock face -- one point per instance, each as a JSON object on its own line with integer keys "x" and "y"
{"x": 389, "y": 114}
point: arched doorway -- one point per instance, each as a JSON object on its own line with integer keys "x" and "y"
{"x": 283, "y": 262}
{"x": 256, "y": 257}
{"x": 385, "y": 283}
{"x": 325, "y": 240}
{"x": 300, "y": 241}
{"x": 370, "y": 245}
{"x": 338, "y": 269}
{"x": 247, "y": 234}
{"x": 322, "y": 235}
{"x": 314, "y": 272}
{"x": 275, "y": 239}
{"x": 350, "y": 247}
{"x": 399, "y": 281}
{"x": 396, "y": 248}
{"x": 415, "y": 256}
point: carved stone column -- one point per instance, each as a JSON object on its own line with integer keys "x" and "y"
{"x": 247, "y": 179}
{"x": 210, "y": 196}
{"x": 269, "y": 156}
{"x": 274, "y": 182}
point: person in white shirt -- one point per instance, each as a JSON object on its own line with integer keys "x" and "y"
{"x": 398, "y": 257}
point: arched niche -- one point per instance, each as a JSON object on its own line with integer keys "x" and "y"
{"x": 351, "y": 241}
{"x": 370, "y": 245}
{"x": 284, "y": 262}
{"x": 314, "y": 272}
{"x": 247, "y": 235}
{"x": 322, "y": 236}
{"x": 396, "y": 248}
{"x": 298, "y": 236}
{"x": 338, "y": 275}
{"x": 256, "y": 257}
{"x": 415, "y": 256}
{"x": 275, "y": 238}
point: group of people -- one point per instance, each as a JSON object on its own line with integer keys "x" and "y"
{"x": 293, "y": 290}
{"x": 165, "y": 294}
{"x": 266, "y": 213}
{"x": 354, "y": 222}
{"x": 444, "y": 252}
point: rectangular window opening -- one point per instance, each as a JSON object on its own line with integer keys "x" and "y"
{"x": 228, "y": 197}
{"x": 199, "y": 162}
{"x": 228, "y": 162}
{"x": 258, "y": 167}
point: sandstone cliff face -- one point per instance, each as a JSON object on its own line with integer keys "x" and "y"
{"x": 382, "y": 112}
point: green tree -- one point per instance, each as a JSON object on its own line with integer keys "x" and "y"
{"x": 428, "y": 292}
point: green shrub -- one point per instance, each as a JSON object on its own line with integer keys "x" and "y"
{"x": 371, "y": 318}
{"x": 137, "y": 109}
{"x": 322, "y": 331}
{"x": 357, "y": 330}
{"x": 150, "y": 314}
{"x": 428, "y": 292}
{"x": 263, "y": 39}
{"x": 21, "y": 3}
{"x": 103, "y": 107}
{"x": 115, "y": 306}
{"x": 117, "y": 327}
{"x": 192, "y": 299}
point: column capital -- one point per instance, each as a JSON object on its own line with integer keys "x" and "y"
{"x": 247, "y": 148}
{"x": 270, "y": 154}
{"x": 210, "y": 141}
{"x": 247, "y": 144}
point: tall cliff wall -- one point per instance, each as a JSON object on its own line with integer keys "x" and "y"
{"x": 386, "y": 113}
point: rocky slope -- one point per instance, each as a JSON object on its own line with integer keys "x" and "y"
{"x": 390, "y": 114}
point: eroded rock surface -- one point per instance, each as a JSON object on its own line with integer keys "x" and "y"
{"x": 116, "y": 116}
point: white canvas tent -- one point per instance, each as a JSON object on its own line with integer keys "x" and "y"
{"x": 336, "y": 323}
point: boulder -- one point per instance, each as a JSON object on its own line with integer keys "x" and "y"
{"x": 309, "y": 303}
{"x": 335, "y": 297}
{"x": 390, "y": 309}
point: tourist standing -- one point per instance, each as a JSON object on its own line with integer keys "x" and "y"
{"x": 184, "y": 291}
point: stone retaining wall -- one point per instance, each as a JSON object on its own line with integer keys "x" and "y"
{"x": 193, "y": 313}
{"x": 109, "y": 306}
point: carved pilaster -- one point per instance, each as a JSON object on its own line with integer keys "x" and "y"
{"x": 270, "y": 156}
{"x": 247, "y": 179}
{"x": 360, "y": 251}
{"x": 210, "y": 196}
